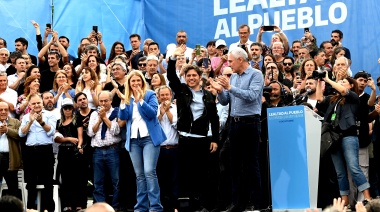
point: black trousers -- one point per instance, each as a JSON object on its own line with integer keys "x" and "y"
{"x": 167, "y": 173}
{"x": 9, "y": 176}
{"x": 244, "y": 151}
{"x": 39, "y": 169}
{"x": 72, "y": 168}
{"x": 193, "y": 176}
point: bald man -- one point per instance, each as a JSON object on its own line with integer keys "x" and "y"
{"x": 100, "y": 207}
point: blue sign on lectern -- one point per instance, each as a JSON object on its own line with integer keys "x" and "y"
{"x": 294, "y": 146}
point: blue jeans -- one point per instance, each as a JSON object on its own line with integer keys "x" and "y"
{"x": 106, "y": 159}
{"x": 348, "y": 155}
{"x": 144, "y": 156}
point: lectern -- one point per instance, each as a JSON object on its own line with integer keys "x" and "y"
{"x": 294, "y": 146}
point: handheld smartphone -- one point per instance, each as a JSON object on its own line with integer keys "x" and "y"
{"x": 95, "y": 28}
{"x": 48, "y": 26}
{"x": 306, "y": 30}
{"x": 198, "y": 49}
{"x": 225, "y": 51}
{"x": 205, "y": 62}
{"x": 268, "y": 28}
{"x": 369, "y": 75}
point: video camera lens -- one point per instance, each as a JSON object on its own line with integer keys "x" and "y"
{"x": 318, "y": 74}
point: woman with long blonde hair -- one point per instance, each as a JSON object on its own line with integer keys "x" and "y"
{"x": 138, "y": 108}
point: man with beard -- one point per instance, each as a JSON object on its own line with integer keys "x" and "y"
{"x": 21, "y": 45}
{"x": 288, "y": 70}
{"x": 48, "y": 102}
{"x": 256, "y": 51}
{"x": 296, "y": 45}
{"x": 181, "y": 39}
{"x": 83, "y": 116}
{"x": 366, "y": 102}
{"x": 276, "y": 98}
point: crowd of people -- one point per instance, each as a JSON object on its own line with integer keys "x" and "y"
{"x": 180, "y": 130}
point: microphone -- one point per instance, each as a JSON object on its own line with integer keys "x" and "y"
{"x": 300, "y": 98}
{"x": 306, "y": 93}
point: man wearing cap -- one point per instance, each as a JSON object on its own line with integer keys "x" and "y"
{"x": 244, "y": 42}
{"x": 219, "y": 62}
{"x": 10, "y": 150}
{"x": 39, "y": 128}
{"x": 104, "y": 130}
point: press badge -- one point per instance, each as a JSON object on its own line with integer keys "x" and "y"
{"x": 333, "y": 117}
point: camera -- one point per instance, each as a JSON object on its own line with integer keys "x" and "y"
{"x": 266, "y": 92}
{"x": 318, "y": 75}
{"x": 225, "y": 51}
{"x": 267, "y": 89}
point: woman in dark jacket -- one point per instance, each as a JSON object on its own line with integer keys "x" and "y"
{"x": 342, "y": 111}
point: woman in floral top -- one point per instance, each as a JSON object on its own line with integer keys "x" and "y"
{"x": 31, "y": 86}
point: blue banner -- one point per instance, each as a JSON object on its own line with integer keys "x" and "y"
{"x": 203, "y": 21}
{"x": 213, "y": 19}
{"x": 16, "y": 16}
{"x": 116, "y": 20}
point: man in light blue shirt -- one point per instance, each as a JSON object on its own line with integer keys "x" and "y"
{"x": 243, "y": 91}
{"x": 38, "y": 126}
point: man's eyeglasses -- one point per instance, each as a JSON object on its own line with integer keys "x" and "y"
{"x": 228, "y": 75}
{"x": 142, "y": 64}
{"x": 288, "y": 64}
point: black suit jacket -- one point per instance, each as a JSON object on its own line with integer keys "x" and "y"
{"x": 347, "y": 112}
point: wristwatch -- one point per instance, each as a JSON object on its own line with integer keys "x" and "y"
{"x": 42, "y": 124}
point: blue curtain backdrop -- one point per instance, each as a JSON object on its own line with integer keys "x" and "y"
{"x": 202, "y": 20}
